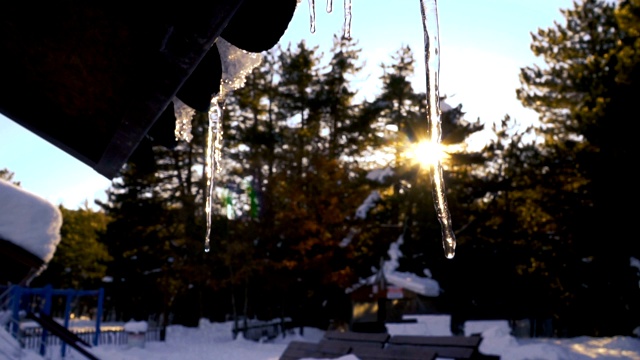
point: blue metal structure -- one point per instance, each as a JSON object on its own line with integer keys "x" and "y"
{"x": 18, "y": 293}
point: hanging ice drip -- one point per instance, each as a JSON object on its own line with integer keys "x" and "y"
{"x": 429, "y": 9}
{"x": 213, "y": 156}
{"x": 347, "y": 15}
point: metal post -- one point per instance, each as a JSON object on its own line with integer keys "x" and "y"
{"x": 48, "y": 290}
{"x": 16, "y": 295}
{"x": 99, "y": 316}
{"x": 67, "y": 314}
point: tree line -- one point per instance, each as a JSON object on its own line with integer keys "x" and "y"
{"x": 543, "y": 215}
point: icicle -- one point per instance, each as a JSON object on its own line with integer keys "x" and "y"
{"x": 347, "y": 19}
{"x": 183, "y": 114}
{"x": 429, "y": 9}
{"x": 312, "y": 15}
{"x": 212, "y": 160}
{"x": 236, "y": 65}
{"x": 329, "y": 6}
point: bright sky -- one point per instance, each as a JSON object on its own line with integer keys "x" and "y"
{"x": 483, "y": 46}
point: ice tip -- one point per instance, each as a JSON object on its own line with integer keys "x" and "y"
{"x": 449, "y": 245}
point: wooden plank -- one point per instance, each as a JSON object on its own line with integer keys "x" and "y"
{"x": 461, "y": 341}
{"x": 443, "y": 351}
{"x": 334, "y": 348}
{"x": 301, "y": 349}
{"x": 399, "y": 353}
{"x": 354, "y": 344}
{"x": 355, "y": 336}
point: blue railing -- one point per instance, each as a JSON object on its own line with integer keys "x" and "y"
{"x": 32, "y": 337}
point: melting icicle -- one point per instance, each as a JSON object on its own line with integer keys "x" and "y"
{"x": 347, "y": 19}
{"x": 312, "y": 15}
{"x": 183, "y": 114}
{"x": 236, "y": 65}
{"x": 212, "y": 160}
{"x": 347, "y": 15}
{"x": 429, "y": 9}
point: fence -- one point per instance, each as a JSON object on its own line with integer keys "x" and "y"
{"x": 31, "y": 337}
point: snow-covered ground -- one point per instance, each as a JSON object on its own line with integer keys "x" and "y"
{"x": 215, "y": 341}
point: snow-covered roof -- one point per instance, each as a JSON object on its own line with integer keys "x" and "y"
{"x": 136, "y": 326}
{"x": 29, "y": 221}
{"x": 422, "y": 285}
{"x": 418, "y": 284}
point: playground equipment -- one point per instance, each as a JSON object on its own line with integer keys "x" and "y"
{"x": 37, "y": 305}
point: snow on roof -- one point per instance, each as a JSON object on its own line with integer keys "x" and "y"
{"x": 29, "y": 221}
{"x": 425, "y": 286}
{"x": 136, "y": 326}
{"x": 410, "y": 281}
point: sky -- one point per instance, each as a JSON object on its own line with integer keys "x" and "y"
{"x": 483, "y": 45}
{"x": 214, "y": 341}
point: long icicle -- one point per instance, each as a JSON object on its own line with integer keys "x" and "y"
{"x": 347, "y": 19}
{"x": 312, "y": 15}
{"x": 429, "y": 9}
{"x": 212, "y": 161}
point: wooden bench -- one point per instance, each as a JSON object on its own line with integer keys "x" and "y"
{"x": 382, "y": 346}
{"x": 390, "y": 353}
{"x": 301, "y": 349}
{"x": 356, "y": 337}
{"x": 454, "y": 347}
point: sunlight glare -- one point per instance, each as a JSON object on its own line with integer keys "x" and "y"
{"x": 425, "y": 153}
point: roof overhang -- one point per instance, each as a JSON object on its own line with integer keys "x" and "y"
{"x": 93, "y": 77}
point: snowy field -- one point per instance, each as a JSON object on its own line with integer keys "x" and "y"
{"x": 214, "y": 341}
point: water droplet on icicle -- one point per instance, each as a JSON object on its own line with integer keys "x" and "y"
{"x": 429, "y": 9}
{"x": 212, "y": 160}
{"x": 347, "y": 19}
{"x": 312, "y": 15}
{"x": 329, "y": 6}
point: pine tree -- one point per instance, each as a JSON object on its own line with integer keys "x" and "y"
{"x": 157, "y": 233}
{"x": 80, "y": 260}
{"x": 8, "y": 175}
{"x": 406, "y": 207}
{"x": 583, "y": 98}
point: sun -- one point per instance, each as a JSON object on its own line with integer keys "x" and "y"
{"x": 425, "y": 153}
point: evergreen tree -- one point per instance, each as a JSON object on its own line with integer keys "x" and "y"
{"x": 584, "y": 97}
{"x": 291, "y": 139}
{"x": 406, "y": 206}
{"x": 157, "y": 233}
{"x": 80, "y": 260}
{"x": 8, "y": 175}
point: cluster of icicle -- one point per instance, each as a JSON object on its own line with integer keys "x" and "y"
{"x": 236, "y": 65}
{"x": 347, "y": 15}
